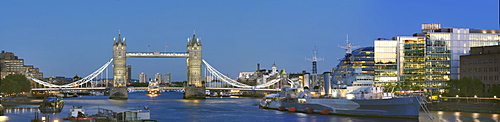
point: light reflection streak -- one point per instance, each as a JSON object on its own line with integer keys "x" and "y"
{"x": 4, "y": 118}
{"x": 457, "y": 117}
{"x": 495, "y": 117}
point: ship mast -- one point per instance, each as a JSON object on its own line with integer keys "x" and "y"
{"x": 348, "y": 46}
{"x": 314, "y": 61}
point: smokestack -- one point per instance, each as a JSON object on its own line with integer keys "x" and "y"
{"x": 328, "y": 86}
{"x": 258, "y": 66}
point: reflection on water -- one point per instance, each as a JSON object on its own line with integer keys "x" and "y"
{"x": 444, "y": 116}
{"x": 4, "y": 118}
{"x": 171, "y": 107}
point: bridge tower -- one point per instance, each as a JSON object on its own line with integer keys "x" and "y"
{"x": 195, "y": 88}
{"x": 194, "y": 61}
{"x": 118, "y": 90}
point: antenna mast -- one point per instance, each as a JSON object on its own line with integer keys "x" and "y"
{"x": 348, "y": 46}
{"x": 314, "y": 59}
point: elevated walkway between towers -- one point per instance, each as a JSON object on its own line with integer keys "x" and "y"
{"x": 157, "y": 54}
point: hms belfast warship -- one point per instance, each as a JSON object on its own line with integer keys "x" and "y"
{"x": 348, "y": 92}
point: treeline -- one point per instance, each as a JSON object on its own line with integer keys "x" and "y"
{"x": 15, "y": 83}
{"x": 469, "y": 87}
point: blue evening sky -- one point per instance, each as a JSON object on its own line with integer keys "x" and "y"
{"x": 64, "y": 38}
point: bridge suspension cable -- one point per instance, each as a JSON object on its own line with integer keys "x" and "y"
{"x": 79, "y": 82}
{"x": 235, "y": 83}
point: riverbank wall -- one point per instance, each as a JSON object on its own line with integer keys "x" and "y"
{"x": 473, "y": 107}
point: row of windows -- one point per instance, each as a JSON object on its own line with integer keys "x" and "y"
{"x": 437, "y": 43}
{"x": 426, "y": 77}
{"x": 414, "y": 53}
{"x": 386, "y": 66}
{"x": 414, "y": 59}
{"x": 438, "y": 36}
{"x": 414, "y": 46}
{"x": 438, "y": 57}
{"x": 485, "y": 69}
{"x": 414, "y": 71}
{"x": 483, "y": 37}
{"x": 413, "y": 65}
{"x": 437, "y": 50}
{"x": 386, "y": 73}
{"x": 483, "y": 77}
{"x": 414, "y": 41}
{"x": 482, "y": 43}
{"x": 386, "y": 61}
{"x": 437, "y": 64}
{"x": 362, "y": 84}
{"x": 480, "y": 61}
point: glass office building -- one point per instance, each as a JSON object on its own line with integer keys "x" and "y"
{"x": 429, "y": 58}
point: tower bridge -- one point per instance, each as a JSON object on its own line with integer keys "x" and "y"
{"x": 194, "y": 89}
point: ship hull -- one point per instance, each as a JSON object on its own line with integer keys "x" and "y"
{"x": 52, "y": 105}
{"x": 407, "y": 107}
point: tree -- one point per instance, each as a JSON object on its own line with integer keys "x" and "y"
{"x": 494, "y": 90}
{"x": 15, "y": 83}
{"x": 466, "y": 87}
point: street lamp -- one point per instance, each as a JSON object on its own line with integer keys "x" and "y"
{"x": 456, "y": 96}
{"x": 495, "y": 96}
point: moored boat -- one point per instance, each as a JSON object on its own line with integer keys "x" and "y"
{"x": 52, "y": 105}
{"x": 407, "y": 107}
{"x": 77, "y": 113}
{"x": 349, "y": 91}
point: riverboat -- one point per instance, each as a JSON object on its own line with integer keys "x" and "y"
{"x": 153, "y": 87}
{"x": 52, "y": 105}
{"x": 77, "y": 114}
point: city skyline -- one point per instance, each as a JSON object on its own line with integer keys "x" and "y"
{"x": 66, "y": 38}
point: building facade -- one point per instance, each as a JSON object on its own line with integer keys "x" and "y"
{"x": 482, "y": 63}
{"x": 167, "y": 78}
{"x": 11, "y": 64}
{"x": 142, "y": 78}
{"x": 158, "y": 78}
{"x": 385, "y": 57}
{"x": 430, "y": 58}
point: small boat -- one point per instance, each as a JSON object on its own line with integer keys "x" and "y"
{"x": 77, "y": 113}
{"x": 52, "y": 105}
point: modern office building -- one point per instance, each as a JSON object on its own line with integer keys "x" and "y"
{"x": 430, "y": 58}
{"x": 386, "y": 68}
{"x": 11, "y": 64}
{"x": 142, "y": 78}
{"x": 482, "y": 63}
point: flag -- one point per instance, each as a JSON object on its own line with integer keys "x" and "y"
{"x": 166, "y": 45}
{"x": 149, "y": 46}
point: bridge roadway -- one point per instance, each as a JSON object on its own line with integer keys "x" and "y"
{"x": 145, "y": 88}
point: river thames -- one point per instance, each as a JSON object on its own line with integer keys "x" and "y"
{"x": 171, "y": 107}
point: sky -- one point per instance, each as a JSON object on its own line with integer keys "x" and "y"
{"x": 65, "y": 38}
